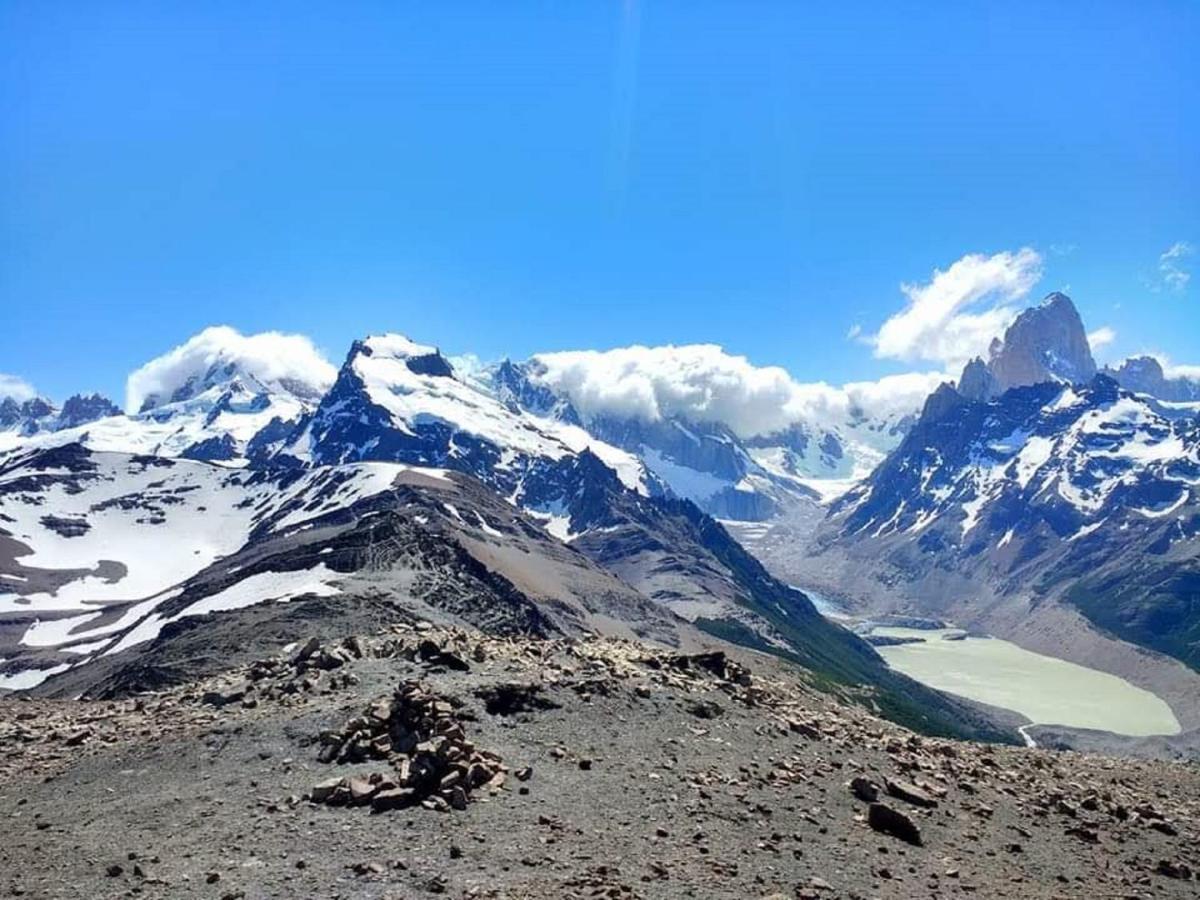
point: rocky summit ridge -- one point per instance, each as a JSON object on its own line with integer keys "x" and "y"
{"x": 429, "y": 760}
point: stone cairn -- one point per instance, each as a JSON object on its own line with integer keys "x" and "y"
{"x": 419, "y": 734}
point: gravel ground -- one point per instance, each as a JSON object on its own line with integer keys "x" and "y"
{"x": 651, "y": 776}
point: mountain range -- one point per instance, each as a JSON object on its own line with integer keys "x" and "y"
{"x": 399, "y": 483}
{"x": 1035, "y": 483}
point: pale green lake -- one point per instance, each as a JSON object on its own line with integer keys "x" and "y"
{"x": 1046, "y": 690}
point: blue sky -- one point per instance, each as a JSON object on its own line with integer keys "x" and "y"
{"x": 511, "y": 178}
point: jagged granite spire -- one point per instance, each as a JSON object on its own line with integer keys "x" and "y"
{"x": 1044, "y": 343}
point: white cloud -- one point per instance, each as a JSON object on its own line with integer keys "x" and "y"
{"x": 17, "y": 388}
{"x": 1101, "y": 337}
{"x": 890, "y": 397}
{"x": 271, "y": 357}
{"x": 955, "y": 315}
{"x": 1174, "y": 370}
{"x": 1172, "y": 266}
{"x": 703, "y": 383}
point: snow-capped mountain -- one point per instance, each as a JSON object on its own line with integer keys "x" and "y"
{"x": 103, "y": 551}
{"x": 222, "y": 490}
{"x": 217, "y": 423}
{"x": 123, "y": 573}
{"x": 37, "y": 416}
{"x": 1045, "y": 458}
{"x": 1082, "y": 492}
{"x": 706, "y": 461}
{"x": 399, "y": 401}
{"x": 201, "y": 401}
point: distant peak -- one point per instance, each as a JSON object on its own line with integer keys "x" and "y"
{"x": 1146, "y": 375}
{"x": 268, "y": 362}
{"x": 395, "y": 346}
{"x": 1044, "y": 343}
{"x": 1056, "y": 298}
{"x": 421, "y": 359}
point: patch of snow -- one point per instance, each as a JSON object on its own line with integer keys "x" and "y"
{"x": 263, "y": 587}
{"x": 485, "y": 527}
{"x": 30, "y": 678}
{"x": 691, "y": 484}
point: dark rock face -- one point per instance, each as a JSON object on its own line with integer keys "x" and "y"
{"x": 271, "y": 438}
{"x": 795, "y": 437}
{"x": 12, "y": 413}
{"x": 516, "y": 386}
{"x": 1045, "y": 343}
{"x": 977, "y": 382}
{"x": 741, "y": 506}
{"x": 212, "y": 449}
{"x": 80, "y": 410}
{"x": 831, "y": 446}
{"x": 431, "y": 364}
{"x": 708, "y": 448}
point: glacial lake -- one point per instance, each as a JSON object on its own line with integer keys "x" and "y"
{"x": 1046, "y": 690}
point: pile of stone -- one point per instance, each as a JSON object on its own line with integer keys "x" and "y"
{"x": 421, "y": 735}
{"x": 314, "y": 668}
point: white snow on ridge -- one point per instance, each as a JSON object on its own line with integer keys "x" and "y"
{"x": 1118, "y": 444}
{"x": 411, "y": 399}
{"x": 264, "y": 587}
{"x": 164, "y": 524}
{"x": 56, "y": 632}
{"x": 234, "y": 409}
{"x": 688, "y": 483}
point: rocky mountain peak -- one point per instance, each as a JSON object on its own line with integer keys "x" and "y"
{"x": 420, "y": 359}
{"x": 1145, "y": 375}
{"x": 39, "y": 415}
{"x": 80, "y": 409}
{"x": 977, "y": 382}
{"x": 940, "y": 402}
{"x": 516, "y": 384}
{"x": 1044, "y": 343}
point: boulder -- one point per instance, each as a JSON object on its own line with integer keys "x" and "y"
{"x": 887, "y": 820}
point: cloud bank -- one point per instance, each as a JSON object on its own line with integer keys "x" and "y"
{"x": 703, "y": 383}
{"x": 954, "y": 316}
{"x": 1100, "y": 338}
{"x": 277, "y": 360}
{"x": 17, "y": 388}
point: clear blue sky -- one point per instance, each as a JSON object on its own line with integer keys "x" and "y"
{"x": 514, "y": 177}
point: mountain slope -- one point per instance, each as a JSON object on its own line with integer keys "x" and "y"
{"x": 138, "y": 544}
{"x": 130, "y": 582}
{"x": 1086, "y": 494}
{"x": 704, "y": 460}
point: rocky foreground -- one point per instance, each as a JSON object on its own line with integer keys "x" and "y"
{"x": 431, "y": 760}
